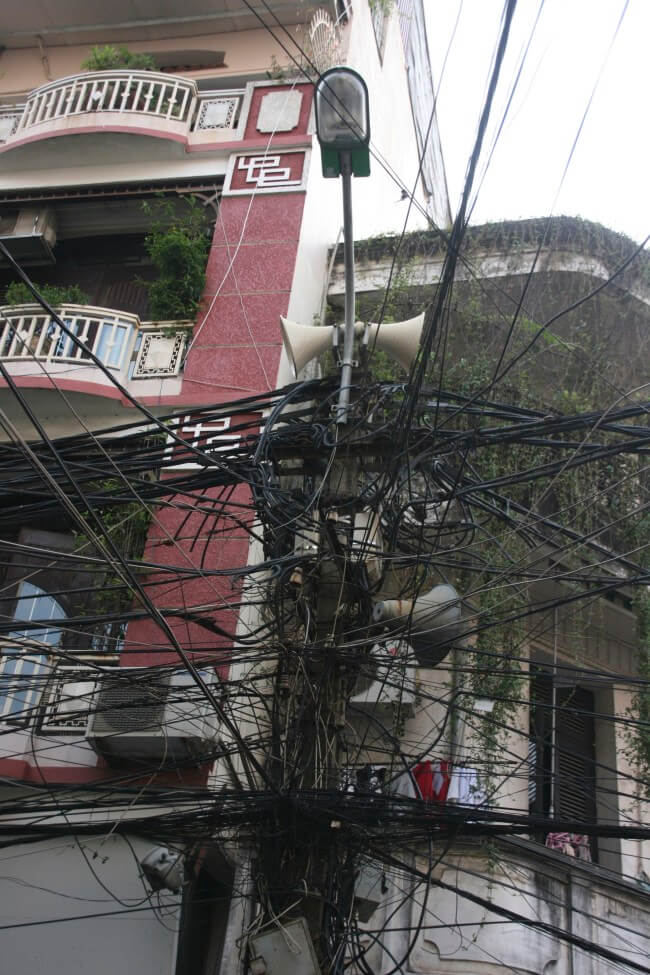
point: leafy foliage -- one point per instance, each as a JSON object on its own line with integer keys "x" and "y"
{"x": 109, "y": 58}
{"x": 126, "y": 523}
{"x": 18, "y": 293}
{"x": 178, "y": 247}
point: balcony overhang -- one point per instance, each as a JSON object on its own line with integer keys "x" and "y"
{"x": 72, "y": 23}
{"x": 82, "y": 116}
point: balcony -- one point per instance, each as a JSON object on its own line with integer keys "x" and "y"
{"x": 34, "y": 344}
{"x": 142, "y": 102}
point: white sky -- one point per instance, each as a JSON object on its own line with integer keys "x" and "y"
{"x": 607, "y": 178}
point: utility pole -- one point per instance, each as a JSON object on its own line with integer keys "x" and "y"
{"x": 310, "y": 700}
{"x": 310, "y": 880}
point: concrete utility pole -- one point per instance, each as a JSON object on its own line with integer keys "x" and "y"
{"x": 313, "y": 874}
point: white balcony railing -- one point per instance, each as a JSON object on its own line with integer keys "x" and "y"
{"x": 118, "y": 339}
{"x": 131, "y": 99}
{"x": 145, "y": 93}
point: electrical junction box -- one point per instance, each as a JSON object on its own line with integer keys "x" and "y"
{"x": 284, "y": 951}
{"x": 368, "y": 890}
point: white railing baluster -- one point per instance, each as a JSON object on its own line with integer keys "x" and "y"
{"x": 60, "y": 102}
{"x": 16, "y": 342}
{"x": 77, "y": 106}
{"x": 43, "y": 321}
{"x": 159, "y": 103}
{"x": 147, "y": 98}
{"x": 115, "y": 86}
{"x": 138, "y": 91}
{"x": 76, "y": 325}
{"x": 53, "y": 337}
{"x": 126, "y": 86}
{"x": 40, "y": 112}
{"x": 28, "y": 338}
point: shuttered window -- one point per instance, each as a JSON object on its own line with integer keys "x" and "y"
{"x": 562, "y": 760}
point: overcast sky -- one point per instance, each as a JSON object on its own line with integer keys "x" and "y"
{"x": 607, "y": 178}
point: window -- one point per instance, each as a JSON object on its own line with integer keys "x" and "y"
{"x": 48, "y": 586}
{"x": 20, "y": 689}
{"x": 562, "y": 752}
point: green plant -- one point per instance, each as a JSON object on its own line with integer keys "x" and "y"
{"x": 383, "y": 6}
{"x": 18, "y": 293}
{"x": 276, "y": 72}
{"x": 110, "y": 58}
{"x": 125, "y": 521}
{"x": 178, "y": 247}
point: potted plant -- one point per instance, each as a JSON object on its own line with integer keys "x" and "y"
{"x": 109, "y": 58}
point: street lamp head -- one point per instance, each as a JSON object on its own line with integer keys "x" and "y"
{"x": 342, "y": 110}
{"x": 342, "y": 120}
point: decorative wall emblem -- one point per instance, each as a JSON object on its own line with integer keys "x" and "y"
{"x": 159, "y": 355}
{"x": 207, "y": 436}
{"x": 279, "y": 111}
{"x": 218, "y": 113}
{"x": 268, "y": 172}
{"x": 263, "y": 171}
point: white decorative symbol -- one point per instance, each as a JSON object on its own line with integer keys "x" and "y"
{"x": 266, "y": 171}
{"x": 198, "y": 435}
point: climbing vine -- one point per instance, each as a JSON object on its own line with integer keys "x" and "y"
{"x": 493, "y": 343}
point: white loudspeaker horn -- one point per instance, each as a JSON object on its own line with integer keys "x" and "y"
{"x": 304, "y": 342}
{"x": 401, "y": 340}
{"x": 434, "y": 621}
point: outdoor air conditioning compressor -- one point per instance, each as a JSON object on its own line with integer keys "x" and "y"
{"x": 29, "y": 234}
{"x": 388, "y": 682}
{"x": 141, "y": 717}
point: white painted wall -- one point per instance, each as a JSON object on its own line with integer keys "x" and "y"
{"x": 133, "y": 931}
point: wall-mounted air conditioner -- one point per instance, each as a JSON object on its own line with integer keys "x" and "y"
{"x": 143, "y": 717}
{"x": 387, "y": 680}
{"x": 29, "y": 234}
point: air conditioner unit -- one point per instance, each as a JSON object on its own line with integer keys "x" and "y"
{"x": 388, "y": 681}
{"x": 142, "y": 717}
{"x": 68, "y": 700}
{"x": 29, "y": 234}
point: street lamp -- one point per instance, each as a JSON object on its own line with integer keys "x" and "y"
{"x": 343, "y": 130}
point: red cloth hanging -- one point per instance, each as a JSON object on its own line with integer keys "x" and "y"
{"x": 432, "y": 779}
